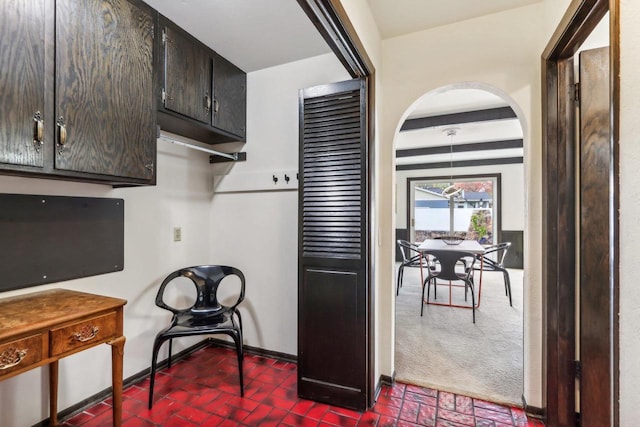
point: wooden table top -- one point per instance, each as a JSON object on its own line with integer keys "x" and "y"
{"x": 41, "y": 309}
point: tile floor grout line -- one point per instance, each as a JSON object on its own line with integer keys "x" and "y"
{"x": 286, "y": 396}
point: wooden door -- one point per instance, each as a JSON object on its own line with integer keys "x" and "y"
{"x": 104, "y": 88}
{"x": 187, "y": 76}
{"x": 333, "y": 287}
{"x": 22, "y": 78}
{"x": 596, "y": 311}
{"x": 230, "y": 100}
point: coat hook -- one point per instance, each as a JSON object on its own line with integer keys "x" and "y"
{"x": 275, "y": 179}
{"x": 286, "y": 178}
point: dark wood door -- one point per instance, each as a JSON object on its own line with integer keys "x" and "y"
{"x": 104, "y": 88}
{"x": 230, "y": 100}
{"x": 22, "y": 78}
{"x": 596, "y": 311}
{"x": 187, "y": 76}
{"x": 333, "y": 287}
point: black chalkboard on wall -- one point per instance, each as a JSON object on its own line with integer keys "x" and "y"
{"x": 45, "y": 239}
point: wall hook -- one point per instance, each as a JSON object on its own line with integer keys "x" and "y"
{"x": 286, "y": 178}
{"x": 275, "y": 179}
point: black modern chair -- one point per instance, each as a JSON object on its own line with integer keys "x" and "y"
{"x": 410, "y": 258}
{"x": 452, "y": 266}
{"x": 206, "y": 316}
{"x": 493, "y": 260}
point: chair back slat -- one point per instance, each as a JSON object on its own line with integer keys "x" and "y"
{"x": 499, "y": 251}
{"x": 448, "y": 261}
{"x": 206, "y": 279}
{"x": 407, "y": 249}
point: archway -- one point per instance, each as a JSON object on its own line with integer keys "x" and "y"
{"x": 487, "y": 150}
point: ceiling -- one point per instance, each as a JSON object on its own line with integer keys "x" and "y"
{"x": 490, "y": 133}
{"x": 252, "y": 34}
{"x": 398, "y": 17}
{"x": 257, "y": 34}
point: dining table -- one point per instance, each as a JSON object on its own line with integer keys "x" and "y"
{"x": 470, "y": 246}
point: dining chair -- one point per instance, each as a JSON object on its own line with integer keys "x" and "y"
{"x": 410, "y": 258}
{"x": 493, "y": 260}
{"x": 205, "y": 316}
{"x": 453, "y": 266}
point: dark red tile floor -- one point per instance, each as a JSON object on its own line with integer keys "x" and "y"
{"x": 203, "y": 390}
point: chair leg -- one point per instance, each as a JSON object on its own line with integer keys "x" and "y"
{"x": 507, "y": 282}
{"x": 157, "y": 343}
{"x": 237, "y": 338}
{"x": 239, "y": 319}
{"x": 473, "y": 302}
{"x": 169, "y": 359}
{"x": 399, "y": 284}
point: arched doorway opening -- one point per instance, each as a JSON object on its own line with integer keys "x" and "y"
{"x": 470, "y": 135}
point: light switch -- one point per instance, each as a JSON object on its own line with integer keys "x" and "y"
{"x": 177, "y": 234}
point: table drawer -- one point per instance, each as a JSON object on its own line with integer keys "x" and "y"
{"x": 20, "y": 354}
{"x": 83, "y": 334}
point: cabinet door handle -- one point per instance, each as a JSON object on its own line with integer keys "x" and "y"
{"x": 38, "y": 130}
{"x": 207, "y": 102}
{"x": 62, "y": 131}
{"x": 216, "y": 106}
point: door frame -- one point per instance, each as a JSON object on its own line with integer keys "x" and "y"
{"x": 559, "y": 222}
{"x": 333, "y": 24}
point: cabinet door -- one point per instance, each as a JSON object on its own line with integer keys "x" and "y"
{"x": 187, "y": 77}
{"x": 22, "y": 29}
{"x": 104, "y": 88}
{"x": 230, "y": 105}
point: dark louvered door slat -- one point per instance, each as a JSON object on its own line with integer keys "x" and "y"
{"x": 333, "y": 307}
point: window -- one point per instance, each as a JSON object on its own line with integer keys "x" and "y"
{"x": 471, "y": 213}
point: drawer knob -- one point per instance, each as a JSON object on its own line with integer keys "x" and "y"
{"x": 87, "y": 333}
{"x": 11, "y": 357}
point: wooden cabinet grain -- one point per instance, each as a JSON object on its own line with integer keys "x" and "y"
{"x": 187, "y": 76}
{"x": 230, "y": 97}
{"x": 22, "y": 69}
{"x": 80, "y": 90}
{"x": 203, "y": 95}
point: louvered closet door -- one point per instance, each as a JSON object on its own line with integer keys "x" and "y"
{"x": 333, "y": 347}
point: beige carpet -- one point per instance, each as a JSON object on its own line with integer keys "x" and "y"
{"x": 445, "y": 350}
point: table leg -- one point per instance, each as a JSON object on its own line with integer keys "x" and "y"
{"x": 53, "y": 393}
{"x": 117, "y": 355}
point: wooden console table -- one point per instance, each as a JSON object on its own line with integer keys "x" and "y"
{"x": 40, "y": 328}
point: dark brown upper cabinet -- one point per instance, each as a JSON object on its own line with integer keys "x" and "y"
{"x": 187, "y": 76}
{"x": 76, "y": 83}
{"x": 230, "y": 101}
{"x": 22, "y": 36}
{"x": 202, "y": 96}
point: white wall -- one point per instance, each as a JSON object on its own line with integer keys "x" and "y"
{"x": 181, "y": 198}
{"x": 382, "y": 223}
{"x": 629, "y": 206}
{"x": 256, "y": 232}
{"x": 501, "y": 51}
{"x": 512, "y": 191}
